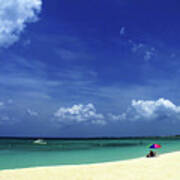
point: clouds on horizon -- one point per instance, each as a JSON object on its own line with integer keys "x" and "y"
{"x": 14, "y": 15}
{"x": 150, "y": 110}
{"x": 140, "y": 110}
{"x": 159, "y": 112}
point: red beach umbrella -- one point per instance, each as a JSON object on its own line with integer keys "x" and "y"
{"x": 155, "y": 146}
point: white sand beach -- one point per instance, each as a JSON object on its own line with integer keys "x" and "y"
{"x": 165, "y": 167}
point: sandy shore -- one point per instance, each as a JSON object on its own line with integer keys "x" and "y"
{"x": 165, "y": 167}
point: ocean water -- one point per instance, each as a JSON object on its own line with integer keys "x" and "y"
{"x": 23, "y": 153}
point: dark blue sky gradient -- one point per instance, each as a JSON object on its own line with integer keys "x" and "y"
{"x": 75, "y": 54}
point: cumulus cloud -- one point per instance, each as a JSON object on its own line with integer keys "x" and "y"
{"x": 80, "y": 113}
{"x": 139, "y": 110}
{"x": 150, "y": 110}
{"x": 155, "y": 109}
{"x": 14, "y": 15}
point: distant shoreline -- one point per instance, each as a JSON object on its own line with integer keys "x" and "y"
{"x": 88, "y": 138}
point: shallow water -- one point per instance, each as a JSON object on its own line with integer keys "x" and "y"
{"x": 21, "y": 153}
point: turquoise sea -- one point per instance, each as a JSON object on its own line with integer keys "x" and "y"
{"x": 22, "y": 153}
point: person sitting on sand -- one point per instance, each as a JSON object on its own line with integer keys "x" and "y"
{"x": 151, "y": 154}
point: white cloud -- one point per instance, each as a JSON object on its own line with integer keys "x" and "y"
{"x": 155, "y": 109}
{"x": 1, "y": 104}
{"x": 10, "y": 101}
{"x": 14, "y": 15}
{"x": 117, "y": 117}
{"x": 150, "y": 110}
{"x": 148, "y": 55}
{"x": 122, "y": 31}
{"x": 136, "y": 47}
{"x": 31, "y": 112}
{"x": 80, "y": 113}
{"x": 142, "y": 49}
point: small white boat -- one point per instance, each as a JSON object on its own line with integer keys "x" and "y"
{"x": 40, "y": 141}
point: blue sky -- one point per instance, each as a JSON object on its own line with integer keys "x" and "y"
{"x": 89, "y": 68}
